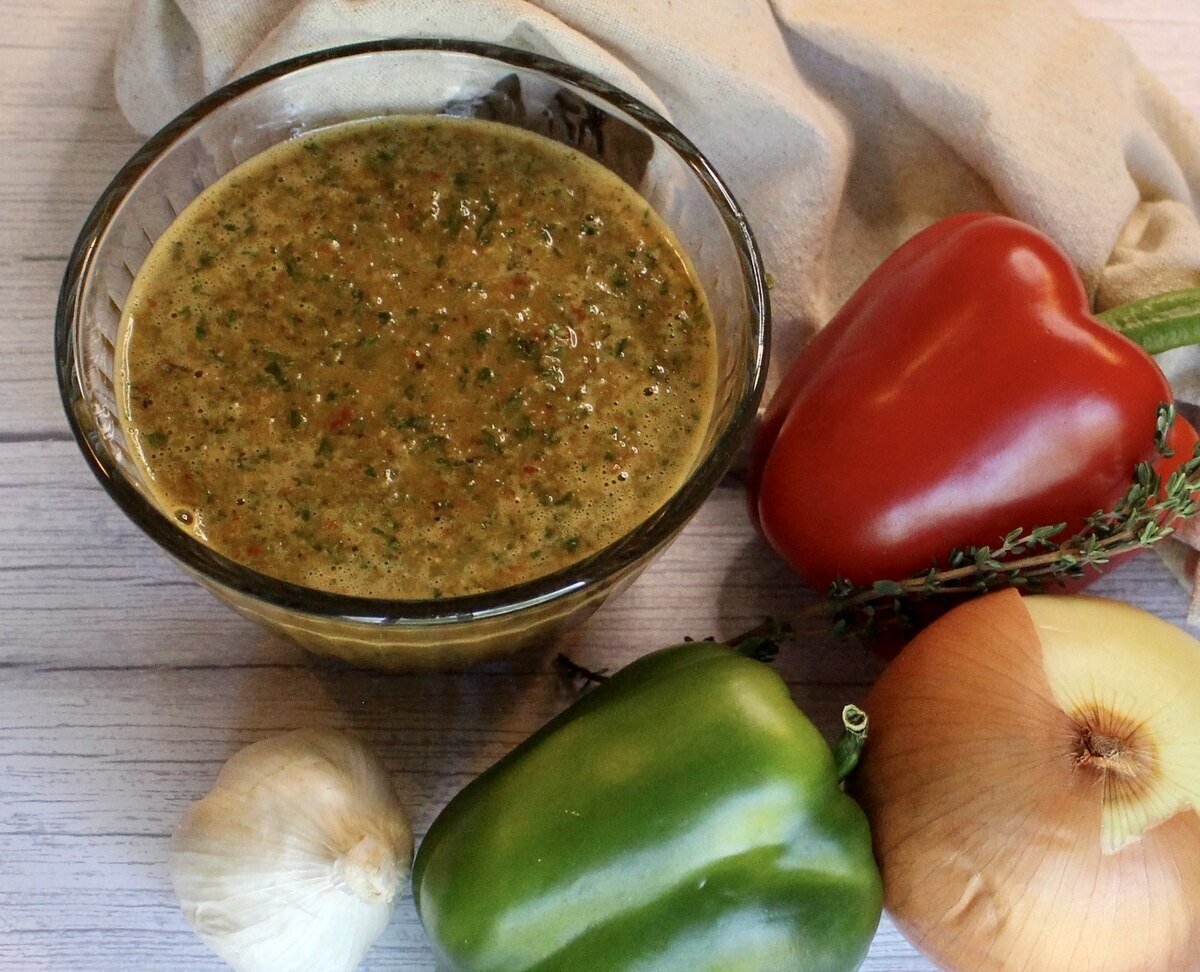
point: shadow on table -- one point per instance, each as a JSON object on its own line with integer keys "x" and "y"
{"x": 438, "y": 730}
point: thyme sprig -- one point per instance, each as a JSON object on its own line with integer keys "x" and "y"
{"x": 1034, "y": 559}
{"x": 1038, "y": 558}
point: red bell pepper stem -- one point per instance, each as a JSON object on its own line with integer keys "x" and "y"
{"x": 1158, "y": 323}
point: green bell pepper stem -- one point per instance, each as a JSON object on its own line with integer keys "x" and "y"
{"x": 1158, "y": 323}
{"x": 849, "y": 747}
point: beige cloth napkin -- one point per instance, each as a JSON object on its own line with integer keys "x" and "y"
{"x": 842, "y": 127}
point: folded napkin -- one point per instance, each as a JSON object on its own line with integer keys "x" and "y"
{"x": 842, "y": 128}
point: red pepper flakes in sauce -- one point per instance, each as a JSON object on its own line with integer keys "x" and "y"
{"x": 407, "y": 357}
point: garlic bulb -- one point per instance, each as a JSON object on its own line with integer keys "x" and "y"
{"x": 293, "y": 861}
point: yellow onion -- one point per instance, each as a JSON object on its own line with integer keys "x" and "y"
{"x": 1033, "y": 779}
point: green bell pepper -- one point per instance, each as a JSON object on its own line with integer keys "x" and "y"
{"x": 684, "y": 815}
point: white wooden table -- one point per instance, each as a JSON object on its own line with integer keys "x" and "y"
{"x": 124, "y": 686}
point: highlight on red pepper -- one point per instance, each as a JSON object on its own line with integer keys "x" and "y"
{"x": 965, "y": 411}
{"x": 682, "y": 816}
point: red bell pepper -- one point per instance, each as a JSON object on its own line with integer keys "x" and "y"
{"x": 965, "y": 390}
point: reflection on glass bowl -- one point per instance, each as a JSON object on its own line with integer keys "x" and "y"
{"x": 367, "y": 81}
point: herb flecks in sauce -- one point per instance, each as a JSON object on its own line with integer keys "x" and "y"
{"x": 416, "y": 358}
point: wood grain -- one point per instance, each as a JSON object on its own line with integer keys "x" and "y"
{"x": 124, "y": 686}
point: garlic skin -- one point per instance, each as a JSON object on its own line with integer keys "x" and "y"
{"x": 293, "y": 862}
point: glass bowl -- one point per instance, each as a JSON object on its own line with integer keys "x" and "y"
{"x": 366, "y": 81}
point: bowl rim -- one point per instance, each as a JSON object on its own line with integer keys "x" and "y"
{"x": 611, "y": 560}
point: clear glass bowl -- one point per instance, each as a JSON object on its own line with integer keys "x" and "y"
{"x": 365, "y": 81}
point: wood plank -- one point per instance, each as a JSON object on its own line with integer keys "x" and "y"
{"x": 116, "y": 599}
{"x": 1135, "y": 13}
{"x": 63, "y": 139}
{"x": 1161, "y": 33}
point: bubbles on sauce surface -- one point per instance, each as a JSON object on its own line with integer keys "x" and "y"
{"x": 413, "y": 309}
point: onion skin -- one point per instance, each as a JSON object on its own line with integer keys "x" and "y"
{"x": 1032, "y": 781}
